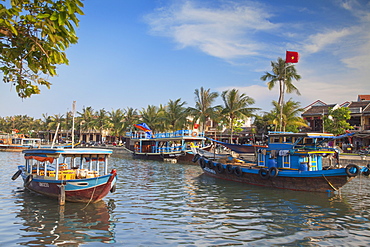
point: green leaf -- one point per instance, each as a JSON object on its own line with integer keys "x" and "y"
{"x": 54, "y": 16}
{"x": 62, "y": 18}
{"x": 43, "y": 16}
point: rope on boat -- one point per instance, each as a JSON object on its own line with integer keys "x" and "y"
{"x": 332, "y": 186}
{"x": 92, "y": 194}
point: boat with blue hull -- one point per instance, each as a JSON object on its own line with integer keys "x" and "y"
{"x": 77, "y": 174}
{"x": 294, "y": 161}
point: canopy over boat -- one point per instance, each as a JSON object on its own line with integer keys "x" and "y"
{"x": 238, "y": 148}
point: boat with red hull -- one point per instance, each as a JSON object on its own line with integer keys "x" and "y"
{"x": 77, "y": 174}
{"x": 291, "y": 161}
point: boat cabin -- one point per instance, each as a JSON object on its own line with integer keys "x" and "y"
{"x": 181, "y": 140}
{"x": 64, "y": 164}
{"x": 295, "y": 151}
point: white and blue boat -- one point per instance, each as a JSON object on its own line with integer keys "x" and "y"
{"x": 76, "y": 174}
{"x": 294, "y": 161}
{"x": 181, "y": 145}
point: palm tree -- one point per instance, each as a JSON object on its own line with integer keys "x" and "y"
{"x": 101, "y": 122}
{"x": 175, "y": 115}
{"x": 203, "y": 109}
{"x": 55, "y": 120}
{"x": 130, "y": 118}
{"x": 86, "y": 118}
{"x": 290, "y": 116}
{"x": 282, "y": 73}
{"x": 116, "y": 120}
{"x": 236, "y": 107}
{"x": 153, "y": 117}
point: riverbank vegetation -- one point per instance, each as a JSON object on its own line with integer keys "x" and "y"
{"x": 174, "y": 115}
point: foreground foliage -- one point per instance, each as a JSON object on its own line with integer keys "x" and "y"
{"x": 33, "y": 38}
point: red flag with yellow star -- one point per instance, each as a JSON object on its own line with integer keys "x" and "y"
{"x": 291, "y": 57}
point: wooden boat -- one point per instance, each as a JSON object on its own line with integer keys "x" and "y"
{"x": 291, "y": 161}
{"x": 175, "y": 146}
{"x": 17, "y": 142}
{"x": 77, "y": 174}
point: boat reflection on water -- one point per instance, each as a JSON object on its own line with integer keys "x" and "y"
{"x": 276, "y": 201}
{"x": 47, "y": 223}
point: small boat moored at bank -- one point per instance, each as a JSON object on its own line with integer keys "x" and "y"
{"x": 17, "y": 142}
{"x": 293, "y": 161}
{"x": 75, "y": 175}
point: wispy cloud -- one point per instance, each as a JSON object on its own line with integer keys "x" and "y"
{"x": 225, "y": 32}
{"x": 320, "y": 41}
{"x": 241, "y": 30}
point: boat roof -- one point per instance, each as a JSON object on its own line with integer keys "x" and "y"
{"x": 327, "y": 136}
{"x": 305, "y": 134}
{"x": 68, "y": 151}
{"x": 177, "y": 138}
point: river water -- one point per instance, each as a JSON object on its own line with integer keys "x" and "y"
{"x": 162, "y": 204}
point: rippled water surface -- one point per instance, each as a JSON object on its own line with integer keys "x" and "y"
{"x": 161, "y": 204}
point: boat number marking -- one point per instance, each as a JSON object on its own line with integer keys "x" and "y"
{"x": 43, "y": 184}
{"x": 209, "y": 170}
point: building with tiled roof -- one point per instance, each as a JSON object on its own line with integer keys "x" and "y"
{"x": 363, "y": 97}
{"x": 360, "y": 117}
{"x": 314, "y": 114}
{"x": 360, "y": 114}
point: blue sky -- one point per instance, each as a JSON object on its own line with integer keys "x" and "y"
{"x": 136, "y": 53}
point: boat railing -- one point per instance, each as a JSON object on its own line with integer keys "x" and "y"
{"x": 178, "y": 133}
{"x": 168, "y": 149}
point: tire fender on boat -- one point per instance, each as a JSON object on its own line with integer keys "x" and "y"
{"x": 366, "y": 172}
{"x": 264, "y": 173}
{"x": 202, "y": 162}
{"x": 230, "y": 169}
{"x": 210, "y": 164}
{"x": 16, "y": 174}
{"x": 195, "y": 158}
{"x": 238, "y": 171}
{"x": 28, "y": 180}
{"x": 352, "y": 170}
{"x": 219, "y": 168}
{"x": 273, "y": 172}
{"x": 113, "y": 189}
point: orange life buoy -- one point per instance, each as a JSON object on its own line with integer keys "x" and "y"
{"x": 194, "y": 134}
{"x": 63, "y": 166}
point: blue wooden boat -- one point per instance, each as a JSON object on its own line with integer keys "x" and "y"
{"x": 181, "y": 145}
{"x": 77, "y": 174}
{"x": 293, "y": 161}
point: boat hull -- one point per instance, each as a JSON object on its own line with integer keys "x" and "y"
{"x": 180, "y": 156}
{"x": 311, "y": 181}
{"x": 76, "y": 190}
{"x": 13, "y": 148}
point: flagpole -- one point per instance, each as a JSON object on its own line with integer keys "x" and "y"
{"x": 73, "y": 122}
{"x": 282, "y": 99}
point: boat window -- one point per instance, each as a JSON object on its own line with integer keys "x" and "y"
{"x": 308, "y": 141}
{"x": 288, "y": 139}
{"x": 274, "y": 139}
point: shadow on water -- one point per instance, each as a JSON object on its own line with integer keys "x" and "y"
{"x": 45, "y": 223}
